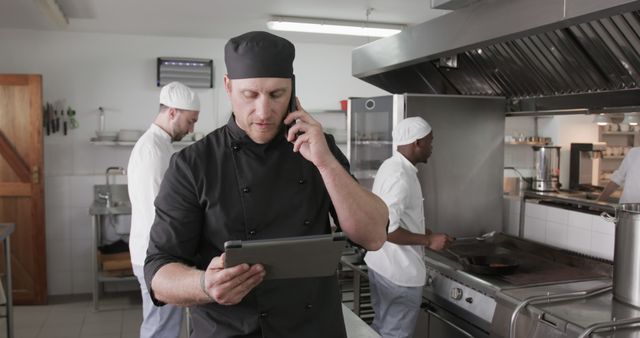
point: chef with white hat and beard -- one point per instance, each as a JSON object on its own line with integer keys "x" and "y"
{"x": 397, "y": 271}
{"x": 149, "y": 160}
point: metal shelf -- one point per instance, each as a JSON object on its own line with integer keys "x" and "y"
{"x": 524, "y": 143}
{"x": 363, "y": 174}
{"x": 372, "y": 142}
{"x": 314, "y": 112}
{"x": 104, "y": 278}
{"x": 132, "y": 143}
{"x": 626, "y": 133}
{"x": 99, "y": 276}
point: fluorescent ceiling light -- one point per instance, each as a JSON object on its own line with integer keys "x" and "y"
{"x": 52, "y": 9}
{"x": 326, "y": 26}
{"x": 601, "y": 119}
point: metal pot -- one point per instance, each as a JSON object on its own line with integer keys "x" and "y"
{"x": 626, "y": 257}
{"x": 546, "y": 162}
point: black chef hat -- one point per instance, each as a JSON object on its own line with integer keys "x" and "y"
{"x": 259, "y": 54}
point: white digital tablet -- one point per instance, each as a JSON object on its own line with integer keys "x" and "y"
{"x": 292, "y": 257}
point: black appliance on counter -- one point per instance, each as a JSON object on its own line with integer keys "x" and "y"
{"x": 581, "y": 162}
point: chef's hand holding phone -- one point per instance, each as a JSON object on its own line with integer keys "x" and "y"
{"x": 306, "y": 133}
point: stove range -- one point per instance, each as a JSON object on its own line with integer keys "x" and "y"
{"x": 463, "y": 304}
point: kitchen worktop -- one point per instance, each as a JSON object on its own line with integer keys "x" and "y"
{"x": 569, "y": 317}
{"x": 572, "y": 200}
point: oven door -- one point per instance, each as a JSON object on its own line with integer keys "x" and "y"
{"x": 436, "y": 322}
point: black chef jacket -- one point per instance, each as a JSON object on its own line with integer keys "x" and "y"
{"x": 226, "y": 187}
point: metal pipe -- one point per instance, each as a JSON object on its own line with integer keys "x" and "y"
{"x": 523, "y": 200}
{"x": 548, "y": 298}
{"x": 578, "y": 111}
{"x": 615, "y": 324}
{"x": 517, "y": 172}
{"x": 7, "y": 257}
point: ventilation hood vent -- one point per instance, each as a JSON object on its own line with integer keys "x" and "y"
{"x": 544, "y": 55}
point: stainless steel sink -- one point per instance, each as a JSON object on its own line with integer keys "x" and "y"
{"x": 117, "y": 202}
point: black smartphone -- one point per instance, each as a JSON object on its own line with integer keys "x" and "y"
{"x": 292, "y": 104}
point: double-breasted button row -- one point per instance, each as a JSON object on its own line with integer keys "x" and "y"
{"x": 247, "y": 190}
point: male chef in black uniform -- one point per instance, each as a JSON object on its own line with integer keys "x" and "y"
{"x": 255, "y": 179}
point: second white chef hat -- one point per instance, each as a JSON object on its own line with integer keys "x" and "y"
{"x": 409, "y": 130}
{"x": 176, "y": 95}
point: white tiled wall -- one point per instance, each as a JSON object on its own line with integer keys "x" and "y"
{"x": 572, "y": 230}
{"x": 511, "y": 215}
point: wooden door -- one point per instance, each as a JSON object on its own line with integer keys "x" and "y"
{"x": 21, "y": 184}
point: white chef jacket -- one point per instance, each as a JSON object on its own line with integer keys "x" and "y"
{"x": 397, "y": 184}
{"x": 628, "y": 177}
{"x": 147, "y": 164}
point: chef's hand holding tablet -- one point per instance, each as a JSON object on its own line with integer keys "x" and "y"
{"x": 228, "y": 286}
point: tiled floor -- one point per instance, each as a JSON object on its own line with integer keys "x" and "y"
{"x": 120, "y": 316}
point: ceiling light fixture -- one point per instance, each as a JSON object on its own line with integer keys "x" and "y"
{"x": 601, "y": 119}
{"x": 52, "y": 9}
{"x": 327, "y": 26}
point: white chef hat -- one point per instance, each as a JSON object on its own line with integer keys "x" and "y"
{"x": 176, "y": 95}
{"x": 409, "y": 130}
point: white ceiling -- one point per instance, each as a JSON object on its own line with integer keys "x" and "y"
{"x": 210, "y": 18}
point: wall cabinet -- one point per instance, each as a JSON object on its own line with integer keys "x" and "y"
{"x": 178, "y": 144}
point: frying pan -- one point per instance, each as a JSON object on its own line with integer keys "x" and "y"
{"x": 487, "y": 264}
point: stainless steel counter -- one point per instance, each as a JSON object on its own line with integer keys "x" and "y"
{"x": 109, "y": 201}
{"x": 6, "y": 229}
{"x": 567, "y": 317}
{"x": 573, "y": 200}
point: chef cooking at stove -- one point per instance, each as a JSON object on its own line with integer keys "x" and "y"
{"x": 397, "y": 271}
{"x": 627, "y": 176}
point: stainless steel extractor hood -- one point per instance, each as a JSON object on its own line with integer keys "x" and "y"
{"x": 544, "y": 55}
